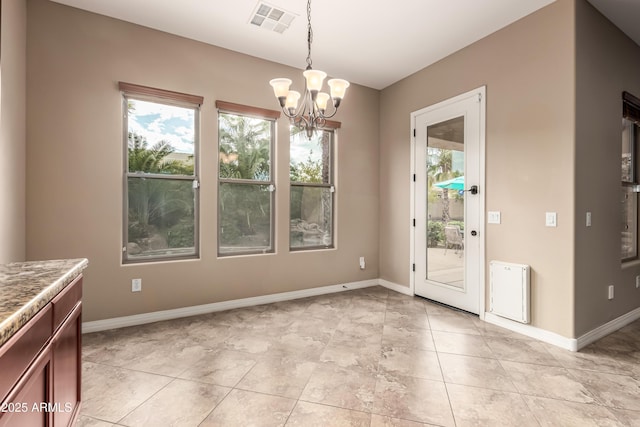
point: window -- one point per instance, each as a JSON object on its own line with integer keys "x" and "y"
{"x": 311, "y": 174}
{"x": 629, "y": 195}
{"x": 246, "y": 184}
{"x": 160, "y": 188}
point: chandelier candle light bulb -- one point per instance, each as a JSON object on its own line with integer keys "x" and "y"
{"x": 338, "y": 89}
{"x": 281, "y": 89}
{"x": 321, "y": 101}
{"x": 314, "y": 79}
{"x": 292, "y": 101}
{"x": 312, "y": 113}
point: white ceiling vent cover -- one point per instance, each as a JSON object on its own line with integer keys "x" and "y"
{"x": 272, "y": 18}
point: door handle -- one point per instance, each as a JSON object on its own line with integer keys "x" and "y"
{"x": 473, "y": 189}
{"x": 474, "y": 233}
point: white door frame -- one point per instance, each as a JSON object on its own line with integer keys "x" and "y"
{"x": 481, "y": 92}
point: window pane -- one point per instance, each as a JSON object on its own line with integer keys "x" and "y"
{"x": 245, "y": 147}
{"x": 161, "y": 218}
{"x": 629, "y": 223}
{"x": 310, "y": 158}
{"x": 628, "y": 150}
{"x": 245, "y": 218}
{"x": 161, "y": 138}
{"x": 311, "y": 217}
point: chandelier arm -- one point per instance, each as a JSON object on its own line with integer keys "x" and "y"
{"x": 303, "y": 108}
{"x": 300, "y": 112}
{"x": 328, "y": 116}
{"x": 302, "y": 105}
{"x": 286, "y": 113}
{"x": 303, "y": 122}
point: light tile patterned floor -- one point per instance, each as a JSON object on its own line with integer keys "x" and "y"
{"x": 369, "y": 357}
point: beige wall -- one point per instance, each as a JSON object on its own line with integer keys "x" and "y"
{"x": 75, "y": 158}
{"x": 13, "y": 33}
{"x": 608, "y": 63}
{"x": 553, "y": 83}
{"x": 528, "y": 68}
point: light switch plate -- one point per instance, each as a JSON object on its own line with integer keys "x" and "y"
{"x": 551, "y": 219}
{"x": 493, "y": 217}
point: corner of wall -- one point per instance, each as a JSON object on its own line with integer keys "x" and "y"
{"x": 13, "y": 51}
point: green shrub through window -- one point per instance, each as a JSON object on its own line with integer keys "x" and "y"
{"x": 246, "y": 186}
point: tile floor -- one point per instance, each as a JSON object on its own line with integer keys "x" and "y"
{"x": 368, "y": 357}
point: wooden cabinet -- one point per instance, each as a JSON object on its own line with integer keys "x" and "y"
{"x": 41, "y": 365}
{"x": 23, "y": 406}
{"x": 67, "y": 366}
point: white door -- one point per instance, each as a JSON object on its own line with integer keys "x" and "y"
{"x": 448, "y": 200}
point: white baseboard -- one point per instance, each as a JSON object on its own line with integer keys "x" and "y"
{"x": 570, "y": 344}
{"x": 395, "y": 287}
{"x": 607, "y": 328}
{"x": 157, "y": 316}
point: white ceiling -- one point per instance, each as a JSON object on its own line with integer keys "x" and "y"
{"x": 370, "y": 43}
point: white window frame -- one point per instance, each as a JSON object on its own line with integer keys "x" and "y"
{"x": 160, "y": 96}
{"x": 330, "y": 127}
{"x": 629, "y": 176}
{"x": 230, "y": 108}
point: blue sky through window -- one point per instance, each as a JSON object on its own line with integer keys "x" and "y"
{"x": 161, "y": 122}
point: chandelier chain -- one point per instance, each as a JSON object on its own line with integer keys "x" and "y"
{"x": 308, "y": 110}
{"x": 309, "y": 34}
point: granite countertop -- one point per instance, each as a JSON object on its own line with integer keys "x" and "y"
{"x": 26, "y": 287}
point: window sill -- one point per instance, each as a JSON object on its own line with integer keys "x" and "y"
{"x": 316, "y": 249}
{"x": 244, "y": 255}
{"x": 158, "y": 261}
{"x": 632, "y": 263}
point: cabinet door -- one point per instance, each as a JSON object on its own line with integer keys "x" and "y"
{"x": 67, "y": 368}
{"x": 26, "y": 405}
{"x": 22, "y": 349}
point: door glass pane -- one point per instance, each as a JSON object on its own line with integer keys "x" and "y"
{"x": 445, "y": 202}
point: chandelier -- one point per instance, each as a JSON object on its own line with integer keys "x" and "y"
{"x": 312, "y": 111}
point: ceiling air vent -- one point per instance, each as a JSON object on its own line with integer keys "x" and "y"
{"x": 271, "y": 17}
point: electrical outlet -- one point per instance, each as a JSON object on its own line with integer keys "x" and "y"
{"x": 610, "y": 291}
{"x": 136, "y": 285}
{"x": 362, "y": 264}
{"x": 588, "y": 219}
{"x": 551, "y": 219}
{"x": 637, "y": 282}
